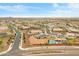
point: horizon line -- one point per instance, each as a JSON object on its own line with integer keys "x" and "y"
{"x": 38, "y": 16}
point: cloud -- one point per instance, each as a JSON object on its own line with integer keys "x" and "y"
{"x": 69, "y": 10}
{"x": 55, "y": 5}
{"x": 73, "y": 5}
{"x": 64, "y": 10}
{"x": 18, "y": 8}
{"x": 13, "y": 8}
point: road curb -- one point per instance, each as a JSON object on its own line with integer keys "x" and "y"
{"x": 10, "y": 47}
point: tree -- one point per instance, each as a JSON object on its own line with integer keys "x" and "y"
{"x": 71, "y": 41}
{"x": 1, "y": 42}
{"x": 52, "y": 37}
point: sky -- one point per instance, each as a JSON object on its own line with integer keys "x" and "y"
{"x": 40, "y": 9}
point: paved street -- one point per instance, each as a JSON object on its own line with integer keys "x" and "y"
{"x": 15, "y": 47}
{"x": 44, "y": 52}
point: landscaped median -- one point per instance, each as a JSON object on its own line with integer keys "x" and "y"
{"x": 7, "y": 41}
